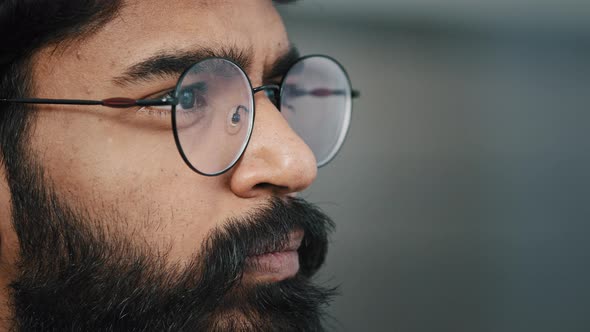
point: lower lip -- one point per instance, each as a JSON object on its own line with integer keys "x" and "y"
{"x": 273, "y": 267}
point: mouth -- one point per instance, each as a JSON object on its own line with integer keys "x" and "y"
{"x": 276, "y": 265}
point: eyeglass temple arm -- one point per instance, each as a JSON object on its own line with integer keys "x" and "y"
{"x": 354, "y": 93}
{"x": 110, "y": 102}
{"x": 122, "y": 102}
{"x": 327, "y": 92}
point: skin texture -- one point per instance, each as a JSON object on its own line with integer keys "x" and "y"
{"x": 99, "y": 159}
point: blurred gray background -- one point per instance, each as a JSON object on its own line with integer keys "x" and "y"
{"x": 462, "y": 193}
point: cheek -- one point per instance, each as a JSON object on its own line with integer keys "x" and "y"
{"x": 131, "y": 180}
{"x": 8, "y": 240}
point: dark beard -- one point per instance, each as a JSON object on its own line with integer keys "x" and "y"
{"x": 73, "y": 276}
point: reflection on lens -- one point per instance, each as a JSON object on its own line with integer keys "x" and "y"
{"x": 316, "y": 101}
{"x": 236, "y": 119}
{"x": 212, "y": 120}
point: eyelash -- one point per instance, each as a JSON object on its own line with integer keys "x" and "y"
{"x": 161, "y": 112}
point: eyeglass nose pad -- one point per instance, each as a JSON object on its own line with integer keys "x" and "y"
{"x": 235, "y": 119}
{"x": 272, "y": 92}
{"x": 272, "y": 95}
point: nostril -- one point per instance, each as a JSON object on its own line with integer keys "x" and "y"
{"x": 265, "y": 186}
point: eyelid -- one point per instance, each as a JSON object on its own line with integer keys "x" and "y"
{"x": 277, "y": 80}
{"x": 168, "y": 93}
{"x": 161, "y": 94}
{"x": 157, "y": 111}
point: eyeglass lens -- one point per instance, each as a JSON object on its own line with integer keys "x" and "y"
{"x": 214, "y": 118}
{"x": 316, "y": 101}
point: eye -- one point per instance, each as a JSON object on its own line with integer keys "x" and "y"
{"x": 187, "y": 99}
{"x": 192, "y": 97}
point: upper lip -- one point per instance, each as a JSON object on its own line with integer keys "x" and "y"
{"x": 295, "y": 239}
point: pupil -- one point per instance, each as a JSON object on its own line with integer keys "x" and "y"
{"x": 187, "y": 100}
{"x": 236, "y": 118}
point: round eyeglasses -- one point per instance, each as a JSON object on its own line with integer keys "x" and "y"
{"x": 213, "y": 109}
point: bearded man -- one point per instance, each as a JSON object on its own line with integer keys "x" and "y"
{"x": 151, "y": 152}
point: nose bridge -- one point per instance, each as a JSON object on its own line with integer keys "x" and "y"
{"x": 276, "y": 157}
{"x": 272, "y": 87}
{"x": 274, "y": 98}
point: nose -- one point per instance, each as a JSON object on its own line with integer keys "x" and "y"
{"x": 277, "y": 161}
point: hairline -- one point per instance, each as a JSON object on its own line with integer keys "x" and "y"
{"x": 22, "y": 65}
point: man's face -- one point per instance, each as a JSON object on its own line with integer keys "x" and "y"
{"x": 115, "y": 177}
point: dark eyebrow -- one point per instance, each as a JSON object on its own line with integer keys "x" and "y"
{"x": 173, "y": 64}
{"x": 282, "y": 64}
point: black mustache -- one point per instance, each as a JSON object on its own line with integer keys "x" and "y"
{"x": 267, "y": 230}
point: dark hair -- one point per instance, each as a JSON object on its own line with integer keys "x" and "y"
{"x": 25, "y": 27}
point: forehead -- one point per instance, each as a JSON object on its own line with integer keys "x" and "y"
{"x": 146, "y": 27}
{"x": 195, "y": 21}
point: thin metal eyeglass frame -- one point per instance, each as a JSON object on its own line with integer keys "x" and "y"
{"x": 123, "y": 102}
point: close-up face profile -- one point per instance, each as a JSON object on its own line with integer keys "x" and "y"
{"x": 152, "y": 153}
